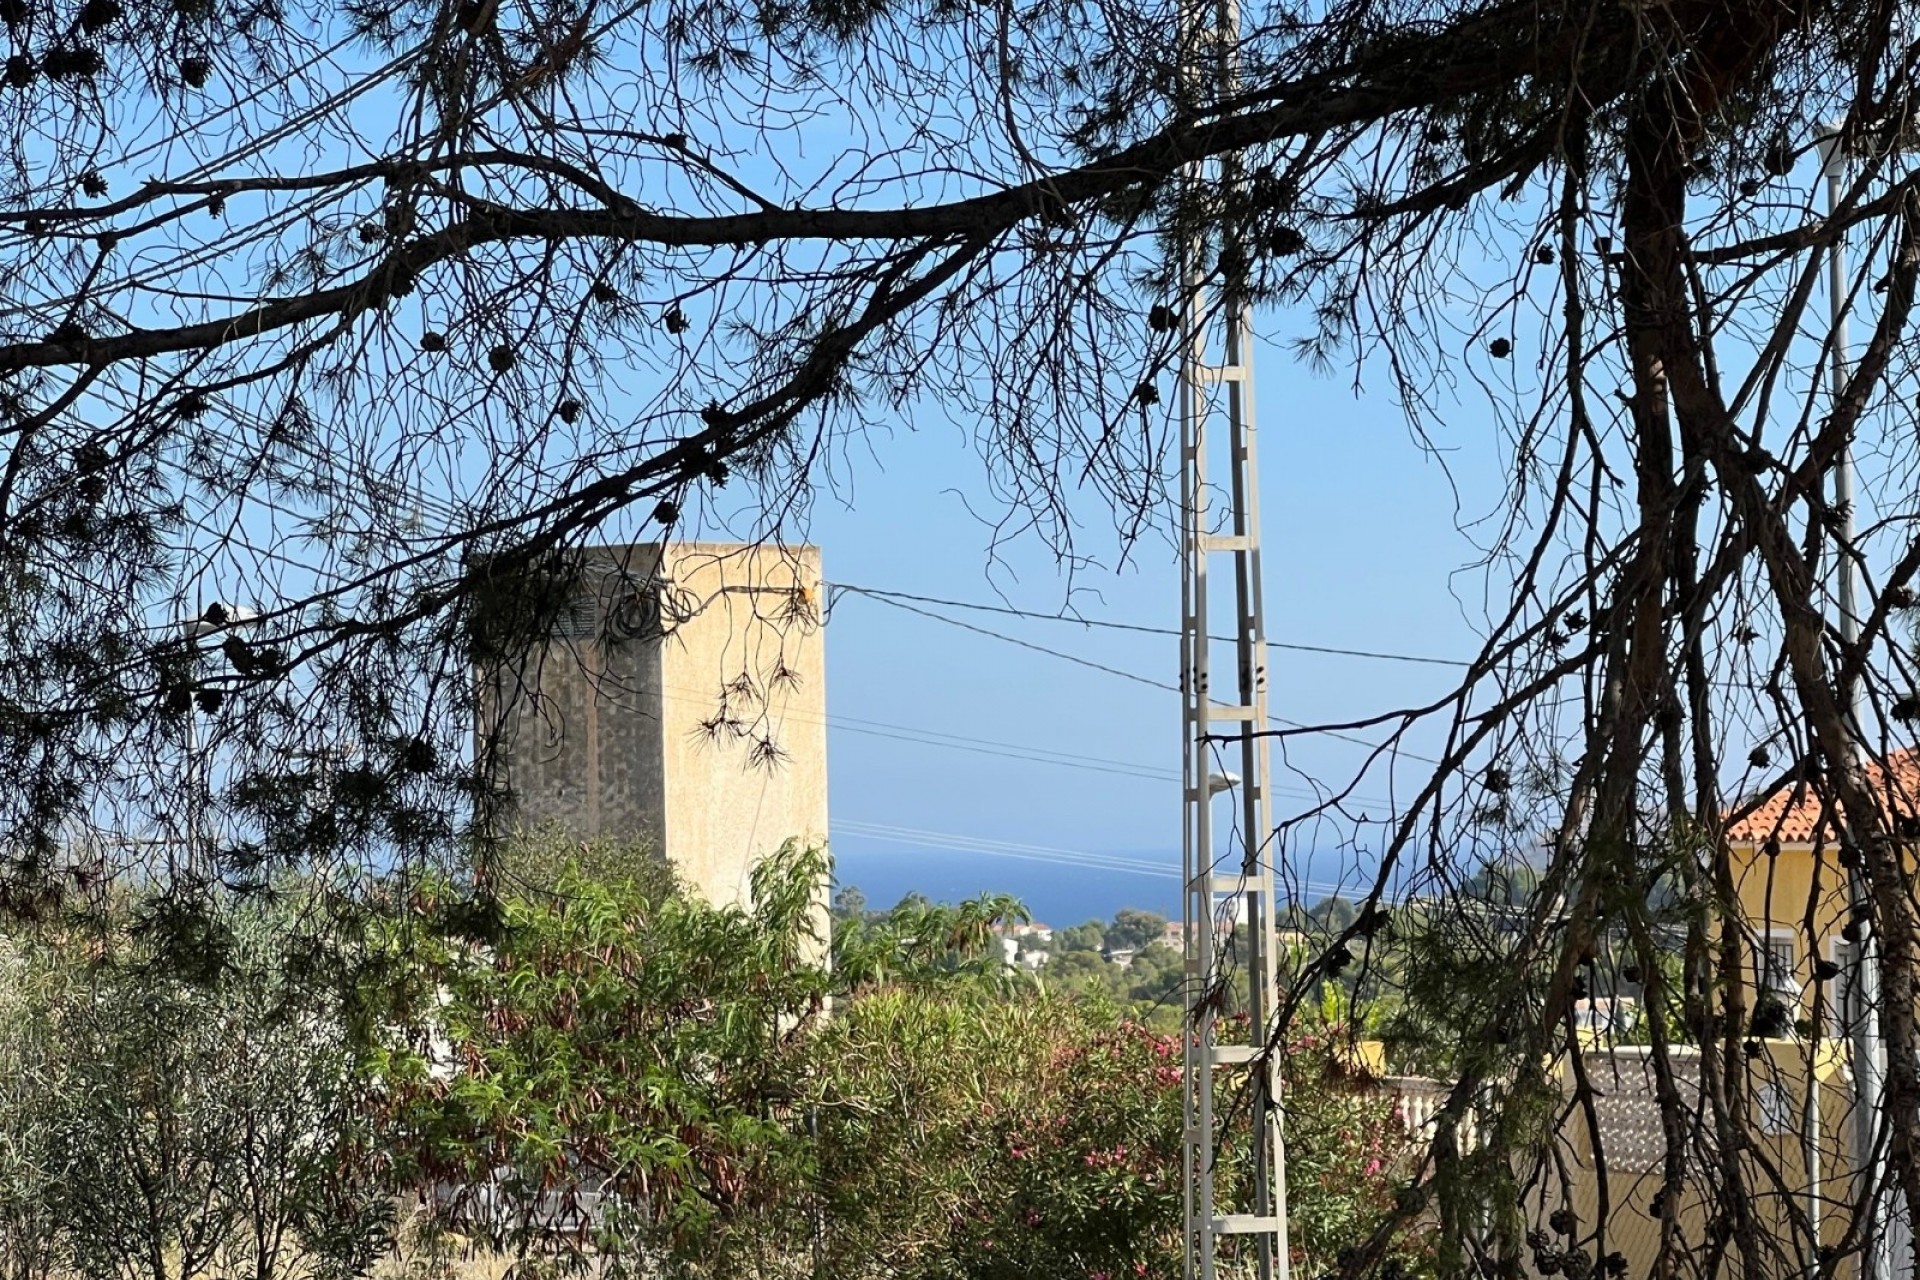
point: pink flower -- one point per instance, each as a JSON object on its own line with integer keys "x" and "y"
{"x": 1373, "y": 1167}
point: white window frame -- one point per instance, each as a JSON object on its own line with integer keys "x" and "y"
{"x": 1764, "y": 958}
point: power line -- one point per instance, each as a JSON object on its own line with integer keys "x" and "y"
{"x": 945, "y": 841}
{"x": 1139, "y": 628}
{"x": 1124, "y": 675}
{"x": 899, "y": 599}
{"x": 1022, "y": 752}
{"x": 960, "y": 742}
{"x": 1024, "y": 644}
{"x": 450, "y": 517}
{"x": 1012, "y": 751}
{"x": 939, "y": 738}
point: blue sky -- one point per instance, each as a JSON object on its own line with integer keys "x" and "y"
{"x": 1362, "y": 541}
{"x": 1371, "y": 542}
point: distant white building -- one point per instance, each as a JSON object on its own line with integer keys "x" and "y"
{"x": 1020, "y": 952}
{"x": 1024, "y": 945}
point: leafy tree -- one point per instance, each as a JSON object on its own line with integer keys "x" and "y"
{"x": 148, "y": 1144}
{"x": 1041, "y": 1136}
{"x": 616, "y": 1045}
{"x": 1332, "y": 915}
{"x": 920, "y": 937}
{"x": 1156, "y": 978}
{"x": 849, "y": 904}
{"x": 1031, "y": 1136}
{"x": 1077, "y": 969}
{"x": 176, "y": 1128}
{"x": 1090, "y": 936}
{"x": 1133, "y": 929}
{"x": 33, "y": 1225}
{"x": 1505, "y": 885}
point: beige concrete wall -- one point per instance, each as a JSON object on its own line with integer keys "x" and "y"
{"x": 706, "y": 734}
{"x": 744, "y": 717}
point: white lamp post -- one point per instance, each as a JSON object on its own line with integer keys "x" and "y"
{"x": 1869, "y": 1065}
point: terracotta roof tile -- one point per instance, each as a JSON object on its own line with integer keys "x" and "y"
{"x": 1796, "y": 813}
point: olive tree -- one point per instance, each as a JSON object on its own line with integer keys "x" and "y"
{"x": 163, "y": 1128}
{"x": 32, "y": 1075}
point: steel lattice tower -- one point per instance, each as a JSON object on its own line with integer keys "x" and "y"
{"x": 1235, "y": 1152}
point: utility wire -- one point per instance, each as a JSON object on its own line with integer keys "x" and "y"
{"x": 921, "y": 734}
{"x": 1109, "y": 625}
{"x": 1022, "y": 752}
{"x": 1031, "y": 755}
{"x": 906, "y": 600}
{"x": 901, "y": 599}
{"x": 940, "y": 840}
{"x": 1027, "y": 644}
{"x": 960, "y": 742}
{"x": 1115, "y": 671}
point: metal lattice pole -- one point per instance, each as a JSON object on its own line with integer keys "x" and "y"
{"x": 1234, "y": 1166}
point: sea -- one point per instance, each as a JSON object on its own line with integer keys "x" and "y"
{"x": 1057, "y": 895}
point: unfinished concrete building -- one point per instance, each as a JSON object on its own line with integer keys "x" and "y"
{"x": 679, "y": 697}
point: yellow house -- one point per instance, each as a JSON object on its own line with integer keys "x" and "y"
{"x": 1793, "y": 900}
{"x": 1797, "y": 1160}
{"x": 1794, "y": 1166}
{"x": 1798, "y": 1169}
{"x": 1793, "y": 890}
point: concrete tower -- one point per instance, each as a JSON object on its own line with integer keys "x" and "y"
{"x": 680, "y": 697}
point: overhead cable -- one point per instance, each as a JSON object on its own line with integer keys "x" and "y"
{"x": 1135, "y": 677}
{"x": 1107, "y": 624}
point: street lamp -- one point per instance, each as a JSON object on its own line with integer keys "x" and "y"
{"x": 1219, "y": 784}
{"x": 219, "y": 616}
